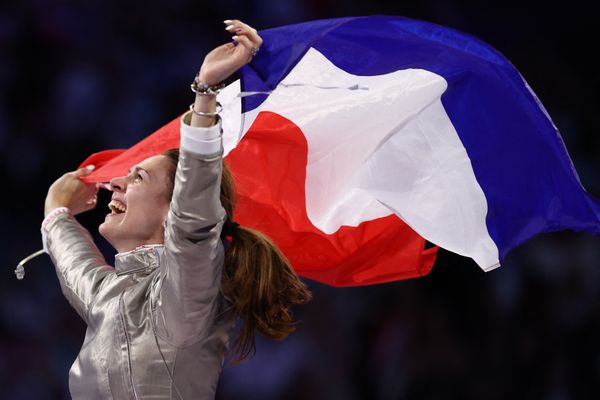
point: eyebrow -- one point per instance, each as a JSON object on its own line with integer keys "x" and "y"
{"x": 136, "y": 169}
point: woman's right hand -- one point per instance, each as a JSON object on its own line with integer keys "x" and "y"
{"x": 71, "y": 192}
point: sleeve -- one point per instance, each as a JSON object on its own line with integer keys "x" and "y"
{"x": 80, "y": 267}
{"x": 189, "y": 296}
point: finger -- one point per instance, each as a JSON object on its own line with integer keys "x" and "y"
{"x": 92, "y": 201}
{"x": 244, "y": 41}
{"x": 252, "y": 34}
{"x": 230, "y": 25}
{"x": 253, "y": 37}
{"x": 83, "y": 171}
{"x": 231, "y": 22}
{"x": 90, "y": 192}
{"x": 240, "y": 28}
{"x": 83, "y": 208}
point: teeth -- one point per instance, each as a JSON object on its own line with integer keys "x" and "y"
{"x": 117, "y": 207}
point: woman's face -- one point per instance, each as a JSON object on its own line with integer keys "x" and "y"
{"x": 139, "y": 205}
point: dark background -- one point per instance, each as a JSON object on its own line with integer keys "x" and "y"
{"x": 81, "y": 76}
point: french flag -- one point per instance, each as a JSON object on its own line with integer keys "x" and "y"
{"x": 353, "y": 141}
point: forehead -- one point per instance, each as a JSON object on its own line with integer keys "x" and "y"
{"x": 154, "y": 163}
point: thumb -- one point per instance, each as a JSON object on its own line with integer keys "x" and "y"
{"x": 84, "y": 171}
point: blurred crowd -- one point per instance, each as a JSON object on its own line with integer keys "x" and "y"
{"x": 80, "y": 77}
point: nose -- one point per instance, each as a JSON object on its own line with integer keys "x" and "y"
{"x": 118, "y": 184}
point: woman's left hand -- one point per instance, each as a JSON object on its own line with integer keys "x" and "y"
{"x": 223, "y": 61}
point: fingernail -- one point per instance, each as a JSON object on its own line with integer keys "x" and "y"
{"x": 227, "y": 21}
{"x": 235, "y": 37}
{"x": 229, "y": 27}
{"x": 90, "y": 167}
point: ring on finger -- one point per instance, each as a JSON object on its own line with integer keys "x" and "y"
{"x": 254, "y": 50}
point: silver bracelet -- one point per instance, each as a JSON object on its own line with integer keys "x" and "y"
{"x": 207, "y": 114}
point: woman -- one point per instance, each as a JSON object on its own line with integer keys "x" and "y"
{"x": 160, "y": 321}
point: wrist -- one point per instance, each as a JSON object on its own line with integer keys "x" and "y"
{"x": 51, "y": 206}
{"x": 201, "y": 86}
{"x": 51, "y": 216}
{"x": 53, "y": 201}
{"x": 204, "y": 111}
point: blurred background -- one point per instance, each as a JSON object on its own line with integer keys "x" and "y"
{"x": 78, "y": 77}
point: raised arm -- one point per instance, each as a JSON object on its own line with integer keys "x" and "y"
{"x": 189, "y": 299}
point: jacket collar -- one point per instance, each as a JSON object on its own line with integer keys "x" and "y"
{"x": 143, "y": 259}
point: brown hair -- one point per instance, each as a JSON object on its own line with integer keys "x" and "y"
{"x": 257, "y": 278}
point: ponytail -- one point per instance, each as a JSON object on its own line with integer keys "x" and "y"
{"x": 258, "y": 279}
{"x": 262, "y": 286}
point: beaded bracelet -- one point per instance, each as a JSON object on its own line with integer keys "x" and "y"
{"x": 202, "y": 88}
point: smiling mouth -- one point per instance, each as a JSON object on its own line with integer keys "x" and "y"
{"x": 116, "y": 207}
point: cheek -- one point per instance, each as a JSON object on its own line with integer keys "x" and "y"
{"x": 150, "y": 207}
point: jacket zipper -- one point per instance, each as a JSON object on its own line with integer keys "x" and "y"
{"x": 122, "y": 306}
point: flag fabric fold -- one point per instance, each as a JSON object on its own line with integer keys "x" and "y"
{"x": 370, "y": 135}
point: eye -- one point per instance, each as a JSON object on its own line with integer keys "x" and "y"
{"x": 138, "y": 178}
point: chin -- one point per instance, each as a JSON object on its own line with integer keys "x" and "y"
{"x": 103, "y": 230}
{"x": 107, "y": 232}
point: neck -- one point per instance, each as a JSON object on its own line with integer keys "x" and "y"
{"x": 123, "y": 246}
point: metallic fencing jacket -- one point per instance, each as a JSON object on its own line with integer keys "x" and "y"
{"x": 158, "y": 325}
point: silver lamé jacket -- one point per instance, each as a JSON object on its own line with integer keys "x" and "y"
{"x": 158, "y": 324}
